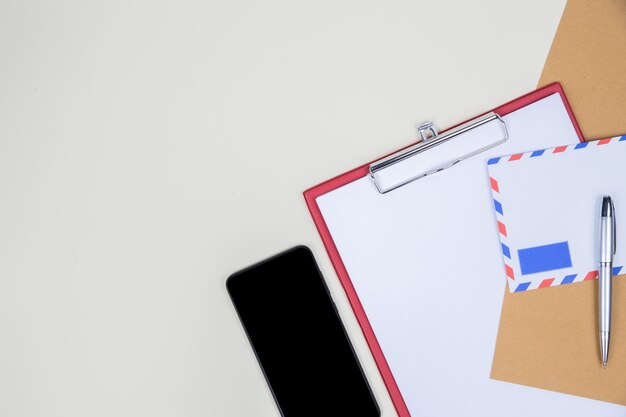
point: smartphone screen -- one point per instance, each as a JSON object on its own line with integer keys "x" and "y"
{"x": 298, "y": 338}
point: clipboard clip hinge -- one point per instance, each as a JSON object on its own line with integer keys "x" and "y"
{"x": 427, "y": 131}
{"x": 413, "y": 163}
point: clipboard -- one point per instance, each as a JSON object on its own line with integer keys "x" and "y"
{"x": 365, "y": 249}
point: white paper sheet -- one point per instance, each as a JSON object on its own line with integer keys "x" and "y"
{"x": 547, "y": 206}
{"x": 426, "y": 263}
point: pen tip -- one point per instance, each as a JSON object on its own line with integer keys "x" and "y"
{"x": 607, "y": 207}
{"x": 604, "y": 364}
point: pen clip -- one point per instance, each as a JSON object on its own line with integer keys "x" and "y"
{"x": 614, "y": 228}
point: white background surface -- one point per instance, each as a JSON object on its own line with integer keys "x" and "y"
{"x": 149, "y": 149}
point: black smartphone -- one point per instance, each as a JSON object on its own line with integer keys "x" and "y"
{"x": 298, "y": 338}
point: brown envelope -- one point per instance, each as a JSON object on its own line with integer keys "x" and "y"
{"x": 548, "y": 338}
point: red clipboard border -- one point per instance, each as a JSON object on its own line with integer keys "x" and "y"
{"x": 311, "y": 195}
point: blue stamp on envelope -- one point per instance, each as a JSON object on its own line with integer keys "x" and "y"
{"x": 544, "y": 258}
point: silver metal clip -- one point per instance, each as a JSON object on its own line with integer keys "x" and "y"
{"x": 414, "y": 163}
{"x": 427, "y": 131}
{"x": 614, "y": 229}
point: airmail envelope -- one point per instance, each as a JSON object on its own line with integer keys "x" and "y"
{"x": 547, "y": 207}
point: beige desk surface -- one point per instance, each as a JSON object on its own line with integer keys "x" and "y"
{"x": 148, "y": 149}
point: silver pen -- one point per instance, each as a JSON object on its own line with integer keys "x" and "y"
{"x": 607, "y": 250}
